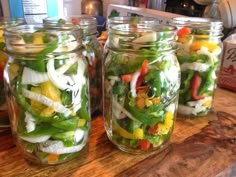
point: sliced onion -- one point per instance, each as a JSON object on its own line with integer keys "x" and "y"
{"x": 80, "y": 81}
{"x": 57, "y": 78}
{"x": 57, "y": 147}
{"x": 196, "y": 66}
{"x": 186, "y": 110}
{"x": 62, "y": 81}
{"x": 30, "y": 76}
{"x": 123, "y": 110}
{"x": 68, "y": 64}
{"x": 58, "y": 107}
{"x": 30, "y": 122}
{"x": 133, "y": 83}
{"x": 171, "y": 108}
{"x": 36, "y": 139}
{"x": 150, "y": 37}
{"x": 79, "y": 134}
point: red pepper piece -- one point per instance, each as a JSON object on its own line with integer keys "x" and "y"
{"x": 195, "y": 84}
{"x": 3, "y": 114}
{"x": 144, "y": 144}
{"x": 144, "y": 70}
{"x": 74, "y": 21}
{"x": 126, "y": 77}
{"x": 2, "y": 65}
{"x": 183, "y": 31}
{"x": 153, "y": 129}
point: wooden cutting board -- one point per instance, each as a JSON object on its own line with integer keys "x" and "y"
{"x": 202, "y": 147}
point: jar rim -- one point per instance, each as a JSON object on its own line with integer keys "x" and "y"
{"x": 213, "y": 27}
{"x": 88, "y": 24}
{"x": 127, "y": 28}
{"x": 35, "y": 38}
{"x": 84, "y": 21}
{"x": 127, "y": 19}
{"x": 196, "y": 21}
{"x": 125, "y": 37}
{"x": 31, "y": 28}
{"x": 11, "y": 21}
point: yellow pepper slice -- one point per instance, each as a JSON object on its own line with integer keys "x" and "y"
{"x": 14, "y": 68}
{"x": 37, "y": 106}
{"x": 164, "y": 128}
{"x": 138, "y": 132}
{"x": 81, "y": 122}
{"x": 47, "y": 112}
{"x": 50, "y": 91}
{"x": 38, "y": 38}
{"x": 196, "y": 45}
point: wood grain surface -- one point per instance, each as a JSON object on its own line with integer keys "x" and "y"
{"x": 201, "y": 147}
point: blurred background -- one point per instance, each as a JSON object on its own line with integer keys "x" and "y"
{"x": 35, "y": 10}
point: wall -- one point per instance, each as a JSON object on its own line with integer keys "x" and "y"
{"x": 107, "y": 2}
{"x": 72, "y": 7}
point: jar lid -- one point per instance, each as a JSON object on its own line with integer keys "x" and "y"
{"x": 228, "y": 13}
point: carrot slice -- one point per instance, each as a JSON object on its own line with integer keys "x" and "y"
{"x": 52, "y": 158}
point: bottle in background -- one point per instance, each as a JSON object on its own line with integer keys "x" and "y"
{"x": 32, "y": 10}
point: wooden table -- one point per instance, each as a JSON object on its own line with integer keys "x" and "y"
{"x": 203, "y": 147}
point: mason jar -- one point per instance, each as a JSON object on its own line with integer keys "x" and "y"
{"x": 4, "y": 23}
{"x": 93, "y": 52}
{"x": 141, "y": 83}
{"x": 46, "y": 83}
{"x": 199, "y": 53}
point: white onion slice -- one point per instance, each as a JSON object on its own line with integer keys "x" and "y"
{"x": 79, "y": 134}
{"x": 30, "y": 76}
{"x": 150, "y": 37}
{"x": 57, "y": 147}
{"x": 30, "y": 122}
{"x": 133, "y": 83}
{"x": 196, "y": 66}
{"x": 36, "y": 139}
{"x": 57, "y": 78}
{"x": 58, "y": 107}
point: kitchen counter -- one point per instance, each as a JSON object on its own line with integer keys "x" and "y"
{"x": 201, "y": 147}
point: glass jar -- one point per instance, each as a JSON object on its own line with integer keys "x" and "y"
{"x": 46, "y": 83}
{"x": 93, "y": 52}
{"x": 4, "y": 23}
{"x": 141, "y": 83}
{"x": 199, "y": 52}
